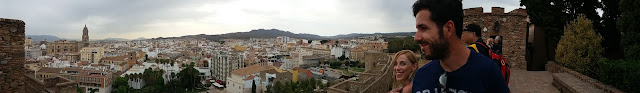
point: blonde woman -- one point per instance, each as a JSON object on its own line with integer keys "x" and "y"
{"x": 404, "y": 65}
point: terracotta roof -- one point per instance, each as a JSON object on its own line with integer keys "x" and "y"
{"x": 49, "y": 70}
{"x": 277, "y": 64}
{"x": 116, "y": 58}
{"x": 249, "y": 78}
{"x": 79, "y": 71}
{"x": 251, "y": 69}
{"x": 301, "y": 70}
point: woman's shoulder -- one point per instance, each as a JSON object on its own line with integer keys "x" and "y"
{"x": 407, "y": 89}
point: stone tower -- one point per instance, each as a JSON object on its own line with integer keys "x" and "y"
{"x": 12, "y": 58}
{"x": 85, "y": 36}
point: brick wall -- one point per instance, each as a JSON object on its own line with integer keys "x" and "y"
{"x": 11, "y": 55}
{"x": 513, "y": 29}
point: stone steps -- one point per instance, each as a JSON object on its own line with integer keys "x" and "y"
{"x": 568, "y": 83}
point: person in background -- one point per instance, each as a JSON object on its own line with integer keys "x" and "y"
{"x": 471, "y": 35}
{"x": 497, "y": 45}
{"x": 404, "y": 65}
{"x": 490, "y": 43}
{"x": 453, "y": 67}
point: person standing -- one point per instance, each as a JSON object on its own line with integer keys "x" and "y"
{"x": 405, "y": 63}
{"x": 454, "y": 68}
{"x": 471, "y": 35}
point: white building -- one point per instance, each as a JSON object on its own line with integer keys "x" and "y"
{"x": 241, "y": 80}
{"x": 32, "y": 53}
{"x": 135, "y": 83}
{"x": 224, "y": 63}
{"x": 283, "y": 39}
{"x": 339, "y": 51}
{"x": 91, "y": 54}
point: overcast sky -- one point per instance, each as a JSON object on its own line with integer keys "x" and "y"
{"x": 132, "y": 19}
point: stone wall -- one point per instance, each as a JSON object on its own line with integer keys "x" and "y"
{"x": 377, "y": 78}
{"x": 12, "y": 56}
{"x": 553, "y": 67}
{"x": 512, "y": 27}
{"x": 49, "y": 85}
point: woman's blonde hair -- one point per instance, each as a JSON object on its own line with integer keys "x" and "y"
{"x": 412, "y": 58}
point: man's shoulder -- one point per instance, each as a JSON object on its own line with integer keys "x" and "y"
{"x": 430, "y": 65}
{"x": 479, "y": 59}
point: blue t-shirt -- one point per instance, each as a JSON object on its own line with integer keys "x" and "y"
{"x": 479, "y": 75}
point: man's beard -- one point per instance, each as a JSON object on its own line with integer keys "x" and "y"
{"x": 439, "y": 48}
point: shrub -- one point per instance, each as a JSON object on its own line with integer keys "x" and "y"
{"x": 579, "y": 48}
{"x": 622, "y": 74}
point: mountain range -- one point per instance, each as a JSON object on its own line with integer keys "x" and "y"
{"x": 256, "y": 33}
{"x": 273, "y": 33}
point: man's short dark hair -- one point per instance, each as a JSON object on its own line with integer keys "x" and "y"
{"x": 442, "y": 11}
{"x": 473, "y": 28}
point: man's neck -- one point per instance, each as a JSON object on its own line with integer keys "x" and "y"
{"x": 476, "y": 39}
{"x": 458, "y": 56}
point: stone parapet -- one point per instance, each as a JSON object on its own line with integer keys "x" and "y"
{"x": 12, "y": 56}
{"x": 553, "y": 67}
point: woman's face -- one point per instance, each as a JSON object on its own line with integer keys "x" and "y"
{"x": 403, "y": 68}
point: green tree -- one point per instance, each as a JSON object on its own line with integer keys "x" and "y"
{"x": 253, "y": 86}
{"x": 553, "y": 14}
{"x": 123, "y": 89}
{"x": 342, "y": 57}
{"x": 93, "y": 90}
{"x": 629, "y": 26}
{"x": 189, "y": 77}
{"x": 153, "y": 78}
{"x": 397, "y": 44}
{"x": 269, "y": 89}
{"x": 324, "y": 41}
{"x": 309, "y": 41}
{"x": 79, "y": 90}
{"x": 121, "y": 85}
{"x": 579, "y": 47}
{"x": 278, "y": 87}
{"x": 610, "y": 33}
{"x": 174, "y": 86}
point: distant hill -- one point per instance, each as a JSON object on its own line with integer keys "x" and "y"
{"x": 140, "y": 38}
{"x": 38, "y": 38}
{"x": 355, "y": 35}
{"x": 273, "y": 33}
{"x": 114, "y": 39}
{"x": 257, "y": 33}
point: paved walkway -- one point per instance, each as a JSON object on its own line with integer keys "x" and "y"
{"x": 523, "y": 81}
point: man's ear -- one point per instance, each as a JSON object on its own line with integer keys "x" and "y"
{"x": 448, "y": 29}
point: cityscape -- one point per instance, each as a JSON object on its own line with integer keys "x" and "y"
{"x": 538, "y": 46}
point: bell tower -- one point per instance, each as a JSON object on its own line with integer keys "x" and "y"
{"x": 85, "y": 36}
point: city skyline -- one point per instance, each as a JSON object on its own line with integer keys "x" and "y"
{"x": 151, "y": 19}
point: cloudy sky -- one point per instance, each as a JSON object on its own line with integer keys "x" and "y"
{"x": 132, "y": 19}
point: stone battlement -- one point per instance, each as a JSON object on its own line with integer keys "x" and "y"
{"x": 12, "y": 56}
{"x": 494, "y": 11}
